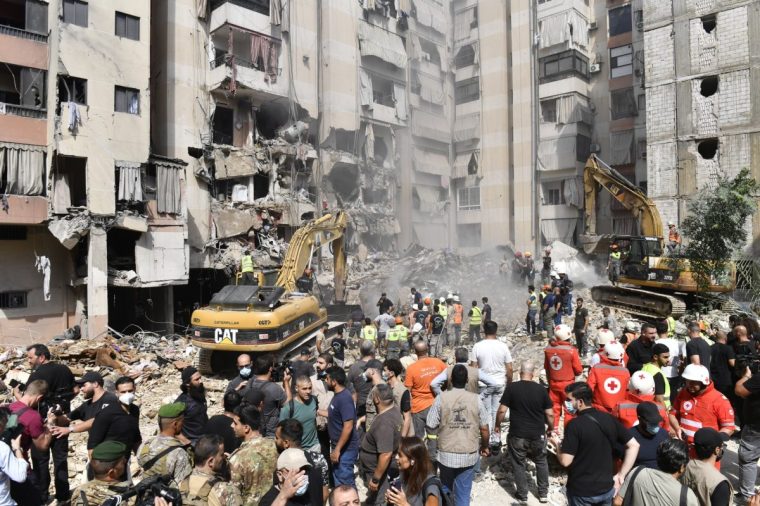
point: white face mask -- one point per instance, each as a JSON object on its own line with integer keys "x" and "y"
{"x": 302, "y": 490}
{"x": 127, "y": 398}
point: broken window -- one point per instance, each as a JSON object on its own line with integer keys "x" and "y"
{"x": 12, "y": 233}
{"x": 72, "y": 89}
{"x": 25, "y": 87}
{"x": 69, "y": 183}
{"x": 382, "y": 91}
{"x": 29, "y": 15}
{"x": 620, "y": 20}
{"x": 75, "y": 12}
{"x": 469, "y": 235}
{"x": 467, "y": 90}
{"x": 13, "y": 300}
{"x": 430, "y": 51}
{"x": 709, "y": 86}
{"x": 465, "y": 57}
{"x": 126, "y": 100}
{"x": 120, "y": 247}
{"x": 127, "y": 26}
{"x": 708, "y": 148}
{"x": 345, "y": 140}
{"x": 709, "y": 23}
{"x": 468, "y": 198}
{"x": 549, "y": 110}
{"x": 623, "y": 104}
{"x": 621, "y": 61}
{"x": 224, "y": 125}
{"x": 582, "y": 147}
{"x": 642, "y": 102}
{"x": 560, "y": 65}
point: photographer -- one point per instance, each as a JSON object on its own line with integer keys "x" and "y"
{"x": 748, "y": 388}
{"x": 96, "y": 398}
{"x": 274, "y": 394}
{"x": 60, "y": 381}
{"x": 13, "y": 467}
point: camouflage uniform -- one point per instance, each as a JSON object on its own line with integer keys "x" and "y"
{"x": 252, "y": 467}
{"x": 96, "y": 492}
{"x": 176, "y": 462}
{"x": 222, "y": 493}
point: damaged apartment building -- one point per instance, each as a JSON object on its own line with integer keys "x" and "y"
{"x": 92, "y": 225}
{"x": 702, "y": 95}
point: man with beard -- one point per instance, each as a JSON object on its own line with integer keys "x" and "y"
{"x": 253, "y": 464}
{"x": 244, "y": 374}
{"x": 274, "y": 394}
{"x": 96, "y": 398}
{"x": 164, "y": 454}
{"x": 341, "y": 425}
{"x": 324, "y": 396}
{"x": 207, "y": 482}
{"x": 193, "y": 396}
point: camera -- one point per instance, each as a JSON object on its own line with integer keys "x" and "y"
{"x": 747, "y": 361}
{"x": 278, "y": 370}
{"x": 147, "y": 491}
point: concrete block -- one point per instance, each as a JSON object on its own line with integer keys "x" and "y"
{"x": 661, "y": 114}
{"x": 735, "y": 104}
{"x": 662, "y": 171}
{"x": 659, "y": 59}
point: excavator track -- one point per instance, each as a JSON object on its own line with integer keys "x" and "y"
{"x": 638, "y": 302}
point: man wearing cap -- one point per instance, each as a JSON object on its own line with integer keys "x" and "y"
{"x": 193, "y": 396}
{"x": 608, "y": 378}
{"x": 108, "y": 463}
{"x": 380, "y": 444}
{"x": 96, "y": 398}
{"x": 291, "y": 481}
{"x": 207, "y": 482}
{"x": 639, "y": 352}
{"x": 648, "y": 433}
{"x": 640, "y": 389}
{"x": 164, "y": 454}
{"x": 562, "y": 364}
{"x": 252, "y": 465}
{"x": 699, "y": 405}
{"x": 710, "y": 486}
{"x": 660, "y": 358}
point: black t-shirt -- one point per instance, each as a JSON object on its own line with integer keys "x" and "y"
{"x": 699, "y": 347}
{"x": 437, "y": 322}
{"x": 486, "y": 312}
{"x": 721, "y": 494}
{"x": 659, "y": 384}
{"x": 196, "y": 417}
{"x": 60, "y": 382}
{"x": 752, "y": 403}
{"x": 302, "y": 368}
{"x": 638, "y": 355}
{"x": 647, "y": 455}
{"x": 357, "y": 383}
{"x": 338, "y": 346}
{"x": 87, "y": 410}
{"x": 527, "y": 402}
{"x": 592, "y": 469}
{"x": 222, "y": 425}
{"x": 421, "y": 316}
{"x": 406, "y": 401}
{"x": 720, "y": 370}
{"x": 113, "y": 424}
{"x": 581, "y": 317}
{"x": 384, "y": 305}
{"x": 273, "y": 492}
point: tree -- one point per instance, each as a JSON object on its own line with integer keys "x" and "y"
{"x": 715, "y": 225}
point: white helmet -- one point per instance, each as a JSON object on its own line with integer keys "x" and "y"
{"x": 696, "y": 372}
{"x": 456, "y": 298}
{"x": 614, "y": 350}
{"x": 642, "y": 383}
{"x": 417, "y": 327}
{"x": 562, "y": 271}
{"x": 449, "y": 296}
{"x": 442, "y": 299}
{"x": 424, "y": 308}
{"x": 604, "y": 337}
{"x": 631, "y": 326}
{"x": 415, "y": 307}
{"x": 554, "y": 274}
{"x": 671, "y": 224}
{"x": 562, "y": 332}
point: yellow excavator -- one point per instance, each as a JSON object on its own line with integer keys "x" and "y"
{"x": 651, "y": 284}
{"x": 277, "y": 319}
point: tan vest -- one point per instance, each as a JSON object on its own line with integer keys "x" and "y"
{"x": 473, "y": 373}
{"x": 459, "y": 431}
{"x": 702, "y": 478}
{"x": 398, "y": 392}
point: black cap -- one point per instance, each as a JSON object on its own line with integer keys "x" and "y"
{"x": 90, "y": 377}
{"x": 187, "y": 374}
{"x": 708, "y": 438}
{"x": 648, "y": 412}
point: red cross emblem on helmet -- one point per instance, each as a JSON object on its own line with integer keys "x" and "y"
{"x": 612, "y": 385}
{"x": 555, "y": 363}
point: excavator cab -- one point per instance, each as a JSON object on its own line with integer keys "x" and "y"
{"x": 635, "y": 254}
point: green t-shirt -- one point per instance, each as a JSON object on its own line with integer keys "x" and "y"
{"x": 307, "y": 415}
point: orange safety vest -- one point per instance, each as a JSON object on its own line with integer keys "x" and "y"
{"x": 708, "y": 409}
{"x": 625, "y": 411}
{"x": 674, "y": 236}
{"x": 562, "y": 362}
{"x": 458, "y": 313}
{"x": 608, "y": 381}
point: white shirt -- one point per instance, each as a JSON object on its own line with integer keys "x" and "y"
{"x": 384, "y": 322}
{"x": 11, "y": 468}
{"x": 677, "y": 350}
{"x": 492, "y": 357}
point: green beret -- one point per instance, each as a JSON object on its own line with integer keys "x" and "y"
{"x": 172, "y": 410}
{"x": 108, "y": 451}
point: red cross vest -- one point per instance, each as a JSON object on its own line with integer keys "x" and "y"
{"x": 708, "y": 409}
{"x": 561, "y": 362}
{"x": 625, "y": 411}
{"x": 609, "y": 382}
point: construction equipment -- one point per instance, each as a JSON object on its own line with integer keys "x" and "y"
{"x": 658, "y": 286}
{"x": 277, "y": 319}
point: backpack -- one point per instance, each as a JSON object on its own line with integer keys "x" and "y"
{"x": 447, "y": 499}
{"x": 200, "y": 498}
{"x": 13, "y": 426}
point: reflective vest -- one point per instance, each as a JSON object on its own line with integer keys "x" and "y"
{"x": 403, "y": 332}
{"x": 369, "y": 332}
{"x": 533, "y": 298}
{"x": 626, "y": 411}
{"x": 392, "y": 334}
{"x": 615, "y": 256}
{"x": 608, "y": 381}
{"x": 443, "y": 310}
{"x": 477, "y": 316}
{"x": 246, "y": 264}
{"x": 458, "y": 313}
{"x": 708, "y": 409}
{"x": 654, "y": 371}
{"x": 671, "y": 326}
{"x": 562, "y": 362}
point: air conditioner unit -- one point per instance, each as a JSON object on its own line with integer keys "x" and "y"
{"x": 592, "y": 26}
{"x": 643, "y": 155}
{"x": 640, "y": 26}
{"x": 594, "y": 68}
{"x": 595, "y": 148}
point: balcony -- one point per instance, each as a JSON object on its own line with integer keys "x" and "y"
{"x": 23, "y": 34}
{"x": 260, "y": 6}
{"x": 25, "y": 210}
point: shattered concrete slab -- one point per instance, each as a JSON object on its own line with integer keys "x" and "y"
{"x": 70, "y": 229}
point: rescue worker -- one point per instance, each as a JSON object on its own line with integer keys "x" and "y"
{"x": 613, "y": 264}
{"x": 421, "y": 316}
{"x": 305, "y": 283}
{"x": 608, "y": 379}
{"x": 369, "y": 331}
{"x": 546, "y": 269}
{"x": 476, "y": 318}
{"x": 566, "y": 287}
{"x": 456, "y": 319}
{"x": 247, "y": 265}
{"x": 529, "y": 271}
{"x": 393, "y": 340}
{"x": 533, "y": 305}
{"x": 640, "y": 389}
{"x": 602, "y": 339}
{"x": 674, "y": 239}
{"x": 545, "y": 291}
{"x": 518, "y": 267}
{"x": 671, "y": 325}
{"x": 660, "y": 359}
{"x": 562, "y": 364}
{"x": 443, "y": 310}
{"x": 435, "y": 325}
{"x": 630, "y": 333}
{"x": 403, "y": 335}
{"x": 699, "y": 404}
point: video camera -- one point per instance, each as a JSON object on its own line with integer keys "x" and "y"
{"x": 743, "y": 361}
{"x": 147, "y": 491}
{"x": 278, "y": 370}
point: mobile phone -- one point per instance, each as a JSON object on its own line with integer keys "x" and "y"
{"x": 14, "y": 383}
{"x": 396, "y": 483}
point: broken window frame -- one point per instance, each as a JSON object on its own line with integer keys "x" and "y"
{"x": 620, "y": 20}
{"x": 16, "y": 299}
{"x": 621, "y": 61}
{"x": 468, "y": 198}
{"x": 386, "y": 99}
{"x": 75, "y": 87}
{"x": 126, "y": 100}
{"x": 623, "y": 104}
{"x": 75, "y": 12}
{"x": 127, "y": 26}
{"x": 467, "y": 90}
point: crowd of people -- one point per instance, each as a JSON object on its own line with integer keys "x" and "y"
{"x": 636, "y": 415}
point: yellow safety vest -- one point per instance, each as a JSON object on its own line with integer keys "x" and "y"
{"x": 392, "y": 334}
{"x": 403, "y": 332}
{"x": 671, "y": 326}
{"x": 477, "y": 316}
{"x": 615, "y": 255}
{"x": 443, "y": 311}
{"x": 370, "y": 332}
{"x": 533, "y": 302}
{"x": 246, "y": 264}
{"x": 654, "y": 370}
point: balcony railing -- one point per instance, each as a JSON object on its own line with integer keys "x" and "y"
{"x": 21, "y": 33}
{"x": 24, "y": 111}
{"x": 242, "y": 62}
{"x": 260, "y": 6}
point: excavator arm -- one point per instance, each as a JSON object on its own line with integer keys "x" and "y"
{"x": 330, "y": 228}
{"x": 631, "y": 197}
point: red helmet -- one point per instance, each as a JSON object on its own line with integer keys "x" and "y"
{"x": 518, "y": 254}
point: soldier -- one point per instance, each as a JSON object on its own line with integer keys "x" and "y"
{"x": 165, "y": 454}
{"x": 253, "y": 464}
{"x": 206, "y": 485}
{"x": 108, "y": 463}
{"x": 562, "y": 364}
